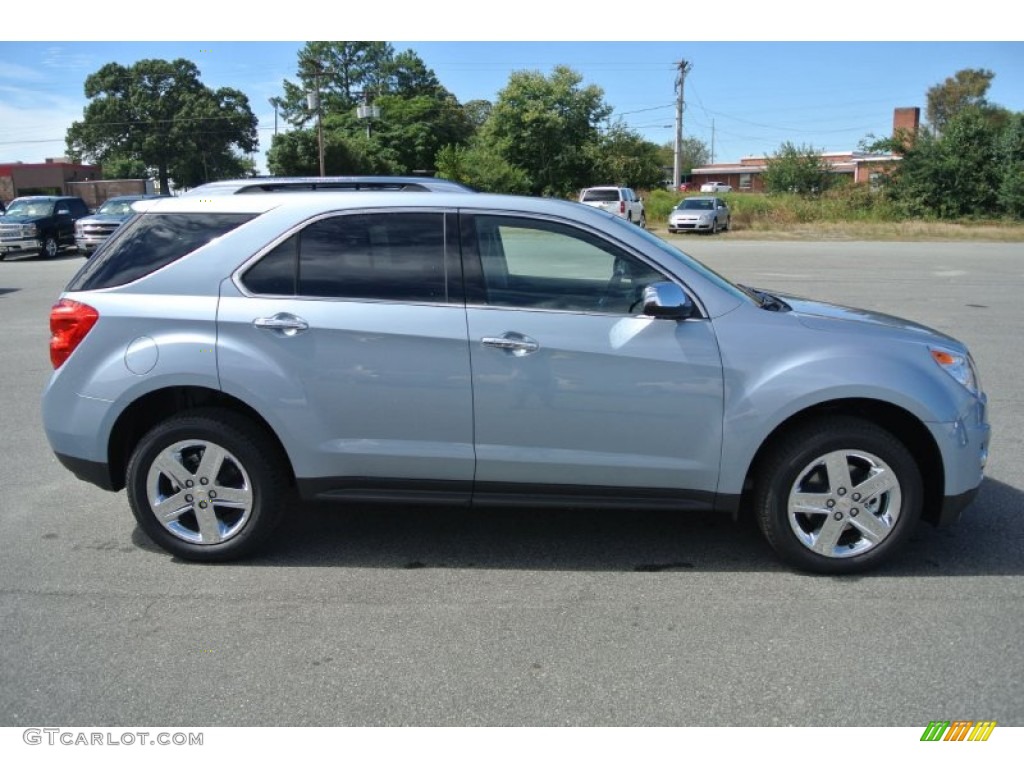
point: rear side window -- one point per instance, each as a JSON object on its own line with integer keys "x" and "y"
{"x": 380, "y": 257}
{"x": 149, "y": 242}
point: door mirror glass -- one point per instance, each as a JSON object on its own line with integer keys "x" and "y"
{"x": 667, "y": 300}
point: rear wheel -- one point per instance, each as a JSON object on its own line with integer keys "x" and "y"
{"x": 206, "y": 485}
{"x": 839, "y": 495}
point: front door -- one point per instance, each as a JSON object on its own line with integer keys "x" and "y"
{"x": 575, "y": 393}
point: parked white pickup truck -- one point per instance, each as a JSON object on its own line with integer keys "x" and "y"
{"x": 622, "y": 201}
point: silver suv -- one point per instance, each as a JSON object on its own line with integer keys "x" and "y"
{"x": 219, "y": 353}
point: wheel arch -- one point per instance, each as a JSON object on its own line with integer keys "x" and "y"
{"x": 156, "y": 406}
{"x": 898, "y": 421}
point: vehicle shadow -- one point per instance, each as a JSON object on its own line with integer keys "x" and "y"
{"x": 12, "y": 258}
{"x": 988, "y": 540}
{"x": 5, "y": 291}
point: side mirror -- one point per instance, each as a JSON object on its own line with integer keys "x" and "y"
{"x": 667, "y": 300}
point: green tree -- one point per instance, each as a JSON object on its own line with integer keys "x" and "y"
{"x": 125, "y": 168}
{"x": 1010, "y": 157}
{"x": 623, "y": 157}
{"x": 952, "y": 175}
{"x": 417, "y": 115}
{"x": 482, "y": 167}
{"x": 967, "y": 88}
{"x": 546, "y": 126}
{"x": 695, "y": 153}
{"x": 797, "y": 169}
{"x": 159, "y": 113}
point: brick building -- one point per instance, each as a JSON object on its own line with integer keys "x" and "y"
{"x": 861, "y": 167}
{"x": 48, "y": 178}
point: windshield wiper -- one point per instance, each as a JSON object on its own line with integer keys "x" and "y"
{"x": 768, "y": 302}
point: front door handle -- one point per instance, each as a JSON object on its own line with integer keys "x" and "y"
{"x": 516, "y": 343}
{"x": 283, "y": 323}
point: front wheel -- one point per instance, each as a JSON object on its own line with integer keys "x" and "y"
{"x": 838, "y": 495}
{"x": 643, "y": 221}
{"x": 50, "y": 247}
{"x": 206, "y": 485}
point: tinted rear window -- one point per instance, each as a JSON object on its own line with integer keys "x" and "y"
{"x": 149, "y": 242}
{"x": 600, "y": 195}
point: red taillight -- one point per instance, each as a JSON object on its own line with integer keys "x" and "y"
{"x": 622, "y": 206}
{"x": 70, "y": 321}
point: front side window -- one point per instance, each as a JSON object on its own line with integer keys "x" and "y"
{"x": 544, "y": 265}
{"x": 377, "y": 256}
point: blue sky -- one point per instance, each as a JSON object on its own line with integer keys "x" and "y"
{"x": 745, "y": 96}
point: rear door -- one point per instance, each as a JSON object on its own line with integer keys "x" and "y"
{"x": 351, "y": 336}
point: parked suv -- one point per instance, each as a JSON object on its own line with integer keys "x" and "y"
{"x": 622, "y": 201}
{"x": 92, "y": 231}
{"x": 40, "y": 224}
{"x": 218, "y": 353}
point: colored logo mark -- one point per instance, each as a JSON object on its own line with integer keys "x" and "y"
{"x": 958, "y": 730}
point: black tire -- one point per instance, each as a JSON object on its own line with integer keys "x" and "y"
{"x": 235, "y": 506}
{"x": 728, "y": 225}
{"x": 714, "y": 226}
{"x": 643, "y": 221}
{"x": 843, "y": 530}
{"x": 50, "y": 247}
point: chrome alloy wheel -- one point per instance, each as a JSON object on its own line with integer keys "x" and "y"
{"x": 199, "y": 492}
{"x": 844, "y": 503}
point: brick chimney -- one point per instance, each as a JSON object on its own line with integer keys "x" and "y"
{"x": 906, "y": 121}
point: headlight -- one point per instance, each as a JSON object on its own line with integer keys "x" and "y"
{"x": 959, "y": 366}
{"x": 29, "y": 230}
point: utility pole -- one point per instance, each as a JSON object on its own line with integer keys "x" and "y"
{"x": 313, "y": 102}
{"x": 677, "y": 164}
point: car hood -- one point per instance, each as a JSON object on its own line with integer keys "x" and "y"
{"x": 20, "y": 219}
{"x": 822, "y": 316}
{"x": 104, "y": 218}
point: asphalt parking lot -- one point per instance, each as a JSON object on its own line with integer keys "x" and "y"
{"x": 402, "y": 616}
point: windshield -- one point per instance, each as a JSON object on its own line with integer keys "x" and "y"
{"x": 30, "y": 208}
{"x": 696, "y": 204}
{"x": 116, "y": 207}
{"x": 689, "y": 261}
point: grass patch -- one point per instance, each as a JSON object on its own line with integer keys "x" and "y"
{"x": 852, "y": 212}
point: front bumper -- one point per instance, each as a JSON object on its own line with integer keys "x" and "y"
{"x": 23, "y": 245}
{"x": 963, "y": 444}
{"x": 88, "y": 244}
{"x": 689, "y": 226}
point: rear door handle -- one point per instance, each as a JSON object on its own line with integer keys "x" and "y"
{"x": 516, "y": 343}
{"x": 283, "y": 323}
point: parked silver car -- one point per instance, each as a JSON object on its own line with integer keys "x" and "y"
{"x": 479, "y": 349}
{"x": 700, "y": 214}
